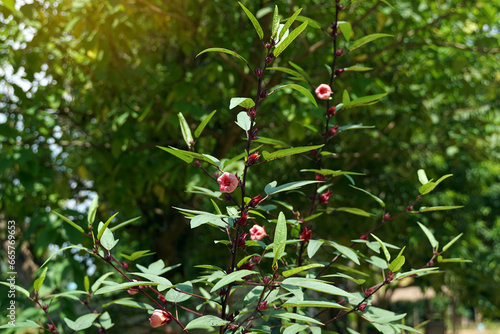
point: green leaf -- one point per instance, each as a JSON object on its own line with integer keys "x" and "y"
{"x": 329, "y": 172}
{"x": 103, "y": 227}
{"x": 294, "y": 271}
{"x": 232, "y": 277}
{"x": 288, "y": 151}
{"x": 99, "y": 281}
{"x": 163, "y": 283}
{"x": 379, "y": 201}
{"x": 358, "y": 69}
{"x": 313, "y": 247}
{"x": 188, "y": 156}
{"x": 289, "y": 23}
{"x": 21, "y": 324}
{"x": 363, "y": 100}
{"x": 244, "y": 121}
{"x": 346, "y": 251}
{"x": 73, "y": 295}
{"x": 136, "y": 255}
{"x": 86, "y": 283}
{"x": 244, "y": 102}
{"x": 130, "y": 303}
{"x": 456, "y": 260}
{"x": 346, "y": 29}
{"x": 232, "y": 53}
{"x": 299, "y": 88}
{"x": 316, "y": 285}
{"x": 107, "y": 240}
{"x": 206, "y": 321}
{"x": 311, "y": 22}
{"x": 19, "y": 289}
{"x": 295, "y": 316}
{"x": 354, "y": 211}
{"x": 289, "y": 39}
{"x": 355, "y": 127}
{"x": 358, "y": 281}
{"x": 422, "y": 177}
{"x": 39, "y": 281}
{"x": 69, "y": 222}
{"x": 300, "y": 70}
{"x": 287, "y": 71}
{"x": 254, "y": 21}
{"x": 429, "y": 186}
{"x": 276, "y": 143}
{"x": 93, "y": 210}
{"x": 83, "y": 322}
{"x": 121, "y": 286}
{"x": 366, "y": 39}
{"x": 276, "y": 22}
{"x": 429, "y": 235}
{"x": 418, "y": 272}
{"x": 207, "y": 219}
{"x": 63, "y": 249}
{"x": 345, "y": 98}
{"x": 203, "y": 124}
{"x": 439, "y": 208}
{"x": 384, "y": 248}
{"x": 186, "y": 130}
{"x": 293, "y": 302}
{"x": 279, "y": 241}
{"x": 448, "y": 245}
{"x": 295, "y": 328}
{"x": 178, "y": 294}
{"x": 397, "y": 263}
{"x": 271, "y": 187}
{"x": 114, "y": 228}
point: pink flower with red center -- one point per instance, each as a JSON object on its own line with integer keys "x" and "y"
{"x": 228, "y": 182}
{"x": 160, "y": 318}
{"x": 323, "y": 91}
{"x": 324, "y": 197}
{"x": 257, "y": 232}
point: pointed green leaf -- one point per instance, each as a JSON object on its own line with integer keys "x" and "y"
{"x": 346, "y": 29}
{"x": 103, "y": 227}
{"x": 279, "y": 242}
{"x": 114, "y": 228}
{"x": 379, "y": 201}
{"x": 206, "y": 322}
{"x": 83, "y": 322}
{"x": 287, "y": 71}
{"x": 358, "y": 69}
{"x": 295, "y": 316}
{"x": 430, "y": 185}
{"x": 345, "y": 98}
{"x": 39, "y": 281}
{"x": 188, "y": 156}
{"x": 329, "y": 172}
{"x": 384, "y": 248}
{"x": 456, "y": 260}
{"x": 346, "y": 251}
{"x": 63, "y": 249}
{"x": 300, "y": 70}
{"x": 69, "y": 222}
{"x": 21, "y": 324}
{"x": 422, "y": 177}
{"x": 181, "y": 293}
{"x": 271, "y": 187}
{"x": 397, "y": 263}
{"x": 358, "y": 281}
{"x": 366, "y": 39}
{"x": 448, "y": 245}
{"x": 317, "y": 285}
{"x": 86, "y": 283}
{"x": 293, "y": 302}
{"x": 186, "y": 130}
{"x": 289, "y": 23}
{"x": 19, "y": 289}
{"x": 439, "y": 208}
{"x": 294, "y": 271}
{"x": 121, "y": 286}
{"x": 288, "y": 151}
{"x": 244, "y": 102}
{"x": 363, "y": 100}
{"x": 276, "y": 22}
{"x": 295, "y": 328}
{"x": 354, "y": 211}
{"x": 178, "y": 153}
{"x": 301, "y": 89}
{"x": 289, "y": 39}
{"x": 313, "y": 247}
{"x": 232, "y": 277}
{"x": 254, "y": 21}
{"x": 130, "y": 303}
{"x": 203, "y": 124}
{"x": 232, "y": 53}
{"x": 429, "y": 235}
{"x": 355, "y": 127}
{"x": 93, "y": 210}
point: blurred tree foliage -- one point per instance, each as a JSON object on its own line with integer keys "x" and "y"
{"x": 90, "y": 88}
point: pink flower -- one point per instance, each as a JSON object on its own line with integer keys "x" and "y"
{"x": 324, "y": 197}
{"x": 227, "y": 182}
{"x": 323, "y": 91}
{"x": 160, "y": 318}
{"x": 257, "y": 232}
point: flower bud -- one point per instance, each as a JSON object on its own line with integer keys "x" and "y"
{"x": 361, "y": 307}
{"x": 263, "y": 93}
{"x": 252, "y": 112}
{"x": 45, "y": 307}
{"x": 331, "y": 111}
{"x": 338, "y": 53}
{"x": 256, "y": 259}
{"x": 162, "y": 298}
{"x": 125, "y": 265}
{"x": 319, "y": 177}
{"x": 337, "y": 1}
{"x": 339, "y": 72}
{"x": 242, "y": 221}
{"x": 340, "y": 7}
{"x": 242, "y": 239}
{"x": 253, "y": 158}
{"x": 253, "y": 135}
{"x": 333, "y": 130}
{"x": 409, "y": 208}
{"x": 324, "y": 197}
{"x": 387, "y": 216}
{"x": 269, "y": 58}
{"x": 306, "y": 234}
{"x": 268, "y": 45}
{"x": 266, "y": 280}
{"x": 276, "y": 276}
{"x": 255, "y": 201}
{"x": 160, "y": 318}
{"x": 259, "y": 72}
{"x": 263, "y": 306}
{"x": 368, "y": 292}
{"x": 364, "y": 237}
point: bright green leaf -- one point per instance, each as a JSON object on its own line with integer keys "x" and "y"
{"x": 429, "y": 235}
{"x": 186, "y": 130}
{"x": 384, "y": 248}
{"x": 203, "y": 124}
{"x": 232, "y": 277}
{"x": 289, "y": 23}
{"x": 69, "y": 222}
{"x": 288, "y": 151}
{"x": 301, "y": 89}
{"x": 379, "y": 201}
{"x": 254, "y": 21}
{"x": 279, "y": 242}
{"x": 448, "y": 245}
{"x": 206, "y": 322}
{"x": 366, "y": 39}
{"x": 289, "y": 39}
{"x": 271, "y": 187}
{"x": 346, "y": 29}
{"x": 93, "y": 210}
{"x": 232, "y": 53}
{"x": 291, "y": 272}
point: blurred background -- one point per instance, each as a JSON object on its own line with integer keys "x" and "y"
{"x": 88, "y": 89}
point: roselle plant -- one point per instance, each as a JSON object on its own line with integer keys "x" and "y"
{"x": 274, "y": 281}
